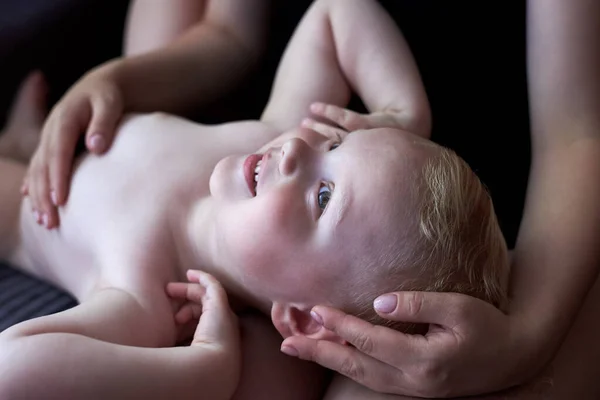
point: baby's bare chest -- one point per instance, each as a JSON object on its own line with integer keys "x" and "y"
{"x": 116, "y": 223}
{"x": 115, "y": 226}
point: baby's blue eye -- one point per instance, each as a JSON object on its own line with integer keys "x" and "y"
{"x": 324, "y": 196}
{"x": 334, "y": 146}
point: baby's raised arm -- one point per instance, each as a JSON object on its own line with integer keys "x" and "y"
{"x": 342, "y": 46}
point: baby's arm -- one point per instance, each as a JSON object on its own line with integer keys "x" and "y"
{"x": 106, "y": 348}
{"x": 342, "y": 46}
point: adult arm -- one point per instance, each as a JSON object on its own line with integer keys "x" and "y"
{"x": 557, "y": 254}
{"x": 184, "y": 55}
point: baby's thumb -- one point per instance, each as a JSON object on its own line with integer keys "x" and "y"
{"x": 102, "y": 128}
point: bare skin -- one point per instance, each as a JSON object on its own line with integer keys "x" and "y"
{"x": 179, "y": 55}
{"x": 124, "y": 231}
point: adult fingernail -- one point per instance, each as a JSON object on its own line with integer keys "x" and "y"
{"x": 45, "y": 220}
{"x": 318, "y": 319}
{"x": 386, "y": 303}
{"x": 36, "y": 215}
{"x": 290, "y": 351}
{"x": 97, "y": 142}
{"x": 53, "y": 197}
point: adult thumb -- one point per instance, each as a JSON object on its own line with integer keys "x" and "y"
{"x": 102, "y": 128}
{"x": 419, "y": 307}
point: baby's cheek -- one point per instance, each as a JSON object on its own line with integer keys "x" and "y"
{"x": 277, "y": 236}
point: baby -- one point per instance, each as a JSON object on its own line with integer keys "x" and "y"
{"x": 316, "y": 215}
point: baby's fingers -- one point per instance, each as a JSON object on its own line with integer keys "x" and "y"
{"x": 191, "y": 294}
{"x": 218, "y": 324}
{"x": 347, "y": 119}
{"x": 324, "y": 129}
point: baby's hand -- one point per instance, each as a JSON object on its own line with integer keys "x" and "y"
{"x": 93, "y": 105}
{"x": 205, "y": 300}
{"x": 351, "y": 121}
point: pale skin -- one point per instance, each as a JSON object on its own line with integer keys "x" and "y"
{"x": 117, "y": 259}
{"x": 179, "y": 56}
{"x": 477, "y": 349}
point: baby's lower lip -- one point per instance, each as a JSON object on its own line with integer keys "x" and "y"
{"x": 249, "y": 167}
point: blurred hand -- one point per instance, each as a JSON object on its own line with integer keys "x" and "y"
{"x": 93, "y": 106}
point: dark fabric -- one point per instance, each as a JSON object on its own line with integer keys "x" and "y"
{"x": 63, "y": 38}
{"x": 23, "y": 297}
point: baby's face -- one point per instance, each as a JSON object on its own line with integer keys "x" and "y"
{"x": 317, "y": 207}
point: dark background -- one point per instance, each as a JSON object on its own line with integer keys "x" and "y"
{"x": 471, "y": 55}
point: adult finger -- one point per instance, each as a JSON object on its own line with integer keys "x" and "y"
{"x": 347, "y": 361}
{"x": 102, "y": 128}
{"x": 25, "y": 187}
{"x": 62, "y": 140}
{"x": 375, "y": 341}
{"x": 40, "y": 199}
{"x": 218, "y": 324}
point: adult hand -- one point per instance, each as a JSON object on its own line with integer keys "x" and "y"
{"x": 471, "y": 347}
{"x": 93, "y": 105}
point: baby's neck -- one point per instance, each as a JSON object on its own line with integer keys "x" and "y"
{"x": 195, "y": 242}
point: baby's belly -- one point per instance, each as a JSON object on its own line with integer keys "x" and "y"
{"x": 54, "y": 257}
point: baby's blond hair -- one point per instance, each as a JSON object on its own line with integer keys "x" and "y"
{"x": 459, "y": 246}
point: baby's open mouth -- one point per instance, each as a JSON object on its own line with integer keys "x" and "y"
{"x": 256, "y": 172}
{"x": 251, "y": 171}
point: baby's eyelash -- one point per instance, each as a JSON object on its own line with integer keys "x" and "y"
{"x": 323, "y": 196}
{"x": 337, "y": 143}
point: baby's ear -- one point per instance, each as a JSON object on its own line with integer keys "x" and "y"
{"x": 295, "y": 320}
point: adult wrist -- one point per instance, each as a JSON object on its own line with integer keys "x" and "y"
{"x": 534, "y": 344}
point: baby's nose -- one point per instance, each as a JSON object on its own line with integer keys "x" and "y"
{"x": 293, "y": 154}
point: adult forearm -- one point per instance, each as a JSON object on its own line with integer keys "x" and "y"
{"x": 556, "y": 255}
{"x": 75, "y": 366}
{"x": 197, "y": 69}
